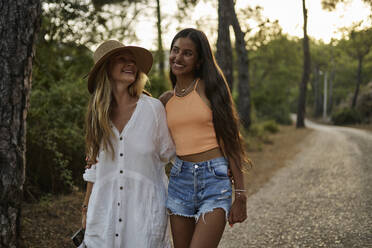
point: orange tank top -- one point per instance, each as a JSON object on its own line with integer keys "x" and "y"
{"x": 190, "y": 123}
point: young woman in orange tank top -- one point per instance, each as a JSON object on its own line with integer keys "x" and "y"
{"x": 204, "y": 125}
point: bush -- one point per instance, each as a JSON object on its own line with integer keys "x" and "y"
{"x": 270, "y": 126}
{"x": 364, "y": 104}
{"x": 272, "y": 108}
{"x": 346, "y": 116}
{"x": 55, "y": 137}
{"x": 258, "y": 134}
{"x": 55, "y": 121}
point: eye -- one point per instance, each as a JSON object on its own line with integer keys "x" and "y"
{"x": 175, "y": 50}
{"x": 188, "y": 53}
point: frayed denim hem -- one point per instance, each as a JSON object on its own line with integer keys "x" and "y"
{"x": 169, "y": 212}
{"x": 197, "y": 216}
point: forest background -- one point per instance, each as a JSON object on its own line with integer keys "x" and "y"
{"x": 274, "y": 66}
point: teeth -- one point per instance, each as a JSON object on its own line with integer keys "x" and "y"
{"x": 178, "y": 65}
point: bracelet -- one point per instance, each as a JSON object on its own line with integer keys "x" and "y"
{"x": 240, "y": 195}
{"x": 240, "y": 190}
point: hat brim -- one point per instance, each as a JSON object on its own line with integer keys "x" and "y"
{"x": 143, "y": 58}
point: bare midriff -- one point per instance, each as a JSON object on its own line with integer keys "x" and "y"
{"x": 203, "y": 156}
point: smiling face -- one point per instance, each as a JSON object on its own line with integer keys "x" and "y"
{"x": 123, "y": 68}
{"x": 183, "y": 57}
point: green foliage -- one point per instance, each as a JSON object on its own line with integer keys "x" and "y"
{"x": 270, "y": 126}
{"x": 55, "y": 135}
{"x": 275, "y": 72}
{"x": 263, "y": 33}
{"x": 87, "y": 22}
{"x": 159, "y": 81}
{"x": 346, "y": 116}
{"x": 330, "y": 5}
{"x": 258, "y": 134}
{"x": 99, "y": 3}
{"x": 46, "y": 200}
{"x": 364, "y": 104}
{"x": 158, "y": 85}
{"x": 359, "y": 41}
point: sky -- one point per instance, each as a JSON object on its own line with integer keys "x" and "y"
{"x": 322, "y": 25}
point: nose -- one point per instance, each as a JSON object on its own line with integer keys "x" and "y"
{"x": 178, "y": 57}
{"x": 130, "y": 64}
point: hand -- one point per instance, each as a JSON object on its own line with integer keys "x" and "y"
{"x": 238, "y": 211}
{"x": 84, "y": 220}
{"x": 89, "y": 163}
{"x": 229, "y": 174}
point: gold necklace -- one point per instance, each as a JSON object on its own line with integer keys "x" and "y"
{"x": 185, "y": 90}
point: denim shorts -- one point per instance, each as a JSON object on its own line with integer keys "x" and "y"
{"x": 198, "y": 188}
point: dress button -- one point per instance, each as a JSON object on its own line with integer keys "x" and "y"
{"x": 118, "y": 203}
{"x": 121, "y": 154}
{"x": 121, "y": 171}
{"x": 117, "y": 235}
{"x": 119, "y": 220}
{"x": 196, "y": 166}
{"x": 121, "y": 138}
{"x": 121, "y": 187}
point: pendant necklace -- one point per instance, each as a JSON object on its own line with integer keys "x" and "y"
{"x": 188, "y": 88}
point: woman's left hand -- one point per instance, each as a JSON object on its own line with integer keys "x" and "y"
{"x": 238, "y": 211}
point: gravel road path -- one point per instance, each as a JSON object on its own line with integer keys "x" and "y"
{"x": 322, "y": 198}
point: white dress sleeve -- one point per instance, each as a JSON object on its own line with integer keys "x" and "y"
{"x": 90, "y": 174}
{"x": 167, "y": 150}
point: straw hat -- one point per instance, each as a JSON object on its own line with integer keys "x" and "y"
{"x": 106, "y": 49}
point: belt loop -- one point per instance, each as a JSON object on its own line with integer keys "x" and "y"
{"x": 180, "y": 167}
{"x": 178, "y": 164}
{"x": 209, "y": 166}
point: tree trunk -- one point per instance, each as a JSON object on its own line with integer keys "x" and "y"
{"x": 244, "y": 101}
{"x": 358, "y": 83}
{"x": 19, "y": 21}
{"x": 160, "y": 52}
{"x": 331, "y": 79}
{"x": 301, "y": 110}
{"x": 224, "y": 51}
{"x": 317, "y": 95}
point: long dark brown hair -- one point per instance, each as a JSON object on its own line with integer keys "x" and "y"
{"x": 225, "y": 117}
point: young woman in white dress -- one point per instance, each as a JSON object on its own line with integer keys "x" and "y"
{"x": 128, "y": 141}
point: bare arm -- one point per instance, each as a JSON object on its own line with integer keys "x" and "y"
{"x": 238, "y": 212}
{"x": 164, "y": 98}
{"x": 85, "y": 203}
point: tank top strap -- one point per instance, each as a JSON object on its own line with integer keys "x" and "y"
{"x": 196, "y": 84}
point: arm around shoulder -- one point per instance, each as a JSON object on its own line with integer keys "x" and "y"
{"x": 164, "y": 140}
{"x": 164, "y": 98}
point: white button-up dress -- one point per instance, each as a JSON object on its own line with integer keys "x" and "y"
{"x": 127, "y": 204}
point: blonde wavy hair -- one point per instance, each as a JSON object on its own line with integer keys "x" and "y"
{"x": 97, "y": 122}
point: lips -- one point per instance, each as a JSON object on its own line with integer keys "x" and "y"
{"x": 177, "y": 66}
{"x": 128, "y": 71}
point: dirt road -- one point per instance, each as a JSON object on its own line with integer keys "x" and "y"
{"x": 322, "y": 198}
